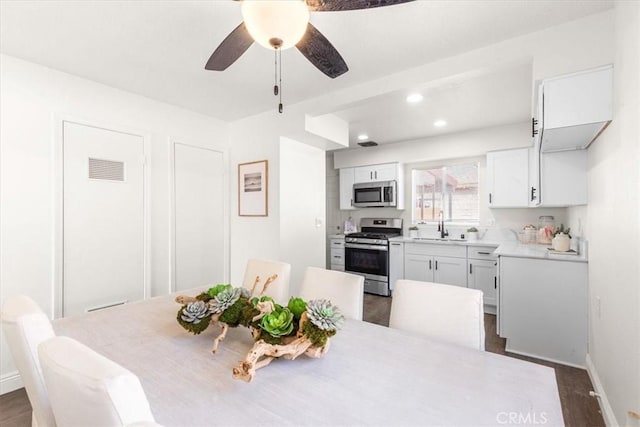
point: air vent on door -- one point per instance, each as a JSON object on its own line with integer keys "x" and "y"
{"x": 106, "y": 170}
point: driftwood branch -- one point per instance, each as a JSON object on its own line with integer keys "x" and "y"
{"x": 183, "y": 299}
{"x": 246, "y": 369}
{"x": 270, "y": 280}
{"x": 255, "y": 283}
{"x": 223, "y": 333}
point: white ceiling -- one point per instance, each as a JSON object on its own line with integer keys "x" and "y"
{"x": 158, "y": 49}
{"x": 499, "y": 98}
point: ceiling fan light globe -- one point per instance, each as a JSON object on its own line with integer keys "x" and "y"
{"x": 275, "y": 19}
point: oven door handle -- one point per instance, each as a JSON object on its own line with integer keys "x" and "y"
{"x": 361, "y": 246}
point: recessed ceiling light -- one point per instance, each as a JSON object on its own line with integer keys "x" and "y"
{"x": 439, "y": 123}
{"x": 414, "y": 98}
{"x": 363, "y": 137}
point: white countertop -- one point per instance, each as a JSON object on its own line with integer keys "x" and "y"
{"x": 504, "y": 248}
{"x": 446, "y": 242}
{"x": 336, "y": 236}
{"x": 519, "y": 250}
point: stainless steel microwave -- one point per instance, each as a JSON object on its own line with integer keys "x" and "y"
{"x": 375, "y": 194}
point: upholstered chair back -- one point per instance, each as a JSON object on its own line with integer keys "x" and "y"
{"x": 25, "y": 326}
{"x": 345, "y": 290}
{"x": 277, "y": 289}
{"x": 87, "y": 389}
{"x": 449, "y": 313}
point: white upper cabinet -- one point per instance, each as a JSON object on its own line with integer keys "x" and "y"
{"x": 384, "y": 172}
{"x": 346, "y": 188}
{"x": 576, "y": 108}
{"x": 508, "y": 178}
{"x": 563, "y": 178}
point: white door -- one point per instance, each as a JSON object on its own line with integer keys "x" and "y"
{"x": 482, "y": 276}
{"x": 450, "y": 271}
{"x": 508, "y": 178}
{"x": 418, "y": 267}
{"x": 199, "y": 216}
{"x": 103, "y": 218}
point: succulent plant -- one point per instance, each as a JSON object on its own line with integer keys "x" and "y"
{"x": 224, "y": 299}
{"x": 244, "y": 292}
{"x": 278, "y": 323}
{"x": 217, "y": 289}
{"x": 324, "y": 315}
{"x": 297, "y": 306}
{"x": 194, "y": 312}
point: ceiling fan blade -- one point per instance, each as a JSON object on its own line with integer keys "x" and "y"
{"x": 231, "y": 48}
{"x": 338, "y": 5}
{"x": 317, "y": 49}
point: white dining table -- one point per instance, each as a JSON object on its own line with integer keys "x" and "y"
{"x": 372, "y": 375}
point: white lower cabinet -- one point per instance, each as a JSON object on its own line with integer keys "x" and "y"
{"x": 336, "y": 254}
{"x": 482, "y": 274}
{"x": 396, "y": 262}
{"x": 436, "y": 263}
{"x": 543, "y": 309}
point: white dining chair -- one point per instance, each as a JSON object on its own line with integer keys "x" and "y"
{"x": 344, "y": 290}
{"x": 278, "y": 289}
{"x": 87, "y": 389}
{"x": 25, "y": 326}
{"x": 445, "y": 312}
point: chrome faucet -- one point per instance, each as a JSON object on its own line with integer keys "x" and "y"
{"x": 441, "y": 229}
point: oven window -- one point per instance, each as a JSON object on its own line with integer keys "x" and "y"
{"x": 364, "y": 195}
{"x": 366, "y": 261}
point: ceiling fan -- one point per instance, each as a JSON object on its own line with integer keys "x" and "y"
{"x": 282, "y": 24}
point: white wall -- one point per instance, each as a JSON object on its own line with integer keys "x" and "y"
{"x": 302, "y": 202}
{"x": 613, "y": 231}
{"x": 252, "y": 139}
{"x": 280, "y": 139}
{"x": 30, "y": 97}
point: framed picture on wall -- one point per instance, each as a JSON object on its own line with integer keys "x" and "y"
{"x": 253, "y": 188}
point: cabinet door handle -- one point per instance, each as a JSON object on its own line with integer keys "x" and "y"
{"x": 371, "y": 175}
{"x": 489, "y": 198}
{"x": 395, "y": 244}
{"x": 436, "y": 264}
{"x": 376, "y": 173}
{"x": 495, "y": 282}
{"x": 484, "y": 253}
{"x": 429, "y": 264}
{"x": 470, "y": 268}
{"x": 533, "y": 193}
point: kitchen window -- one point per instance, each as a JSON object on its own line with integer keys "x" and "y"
{"x": 452, "y": 190}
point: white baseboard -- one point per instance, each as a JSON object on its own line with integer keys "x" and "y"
{"x": 508, "y": 349}
{"x": 10, "y": 382}
{"x": 605, "y": 407}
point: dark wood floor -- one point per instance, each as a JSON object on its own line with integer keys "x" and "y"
{"x": 578, "y": 408}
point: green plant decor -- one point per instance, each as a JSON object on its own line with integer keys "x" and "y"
{"x": 472, "y": 230}
{"x": 561, "y": 229}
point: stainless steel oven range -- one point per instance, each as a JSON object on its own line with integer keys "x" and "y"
{"x": 367, "y": 252}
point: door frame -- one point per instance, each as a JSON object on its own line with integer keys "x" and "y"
{"x": 173, "y": 142}
{"x": 58, "y": 122}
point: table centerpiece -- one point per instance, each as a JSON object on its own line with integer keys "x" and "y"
{"x": 300, "y": 327}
